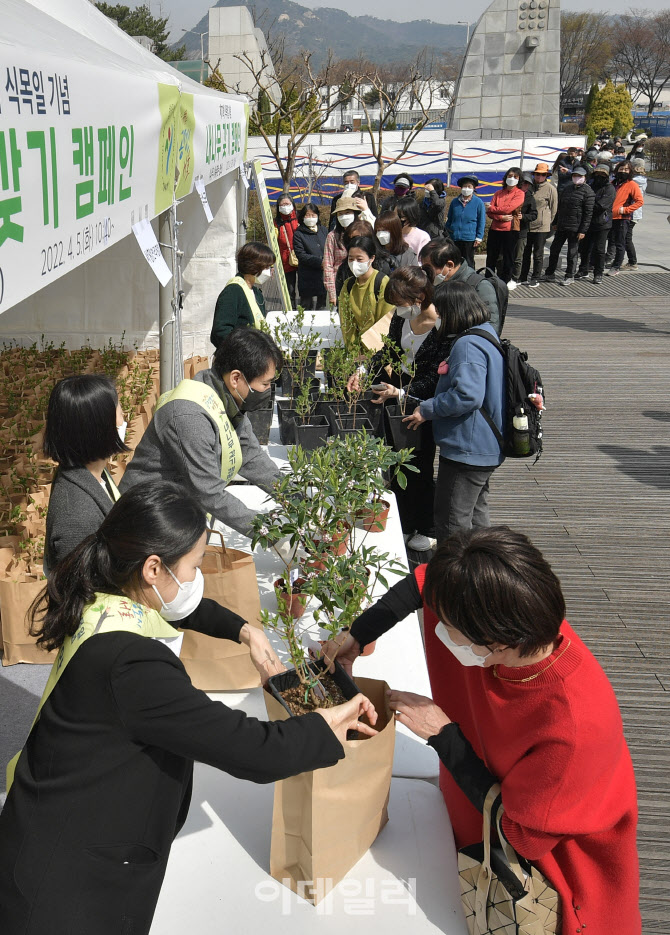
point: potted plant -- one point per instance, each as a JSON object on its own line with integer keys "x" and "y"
{"x": 306, "y": 429}
{"x": 401, "y": 435}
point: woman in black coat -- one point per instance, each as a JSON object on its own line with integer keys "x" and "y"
{"x": 103, "y": 783}
{"x": 84, "y": 428}
{"x": 308, "y": 243}
{"x": 413, "y": 351}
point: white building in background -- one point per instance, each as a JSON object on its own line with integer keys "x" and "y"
{"x": 231, "y": 34}
{"x": 433, "y": 94}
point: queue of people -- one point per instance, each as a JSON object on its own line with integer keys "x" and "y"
{"x": 103, "y": 783}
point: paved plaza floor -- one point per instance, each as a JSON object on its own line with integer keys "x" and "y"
{"x": 597, "y": 504}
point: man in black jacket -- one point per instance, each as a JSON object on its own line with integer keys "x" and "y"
{"x": 572, "y": 221}
{"x": 528, "y": 214}
{"x": 351, "y": 181}
{"x": 593, "y": 247}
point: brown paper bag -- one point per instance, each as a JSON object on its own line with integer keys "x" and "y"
{"x": 15, "y": 600}
{"x": 194, "y": 365}
{"x": 323, "y": 822}
{"x": 222, "y": 665}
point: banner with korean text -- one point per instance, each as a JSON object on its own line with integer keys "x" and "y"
{"x": 86, "y": 153}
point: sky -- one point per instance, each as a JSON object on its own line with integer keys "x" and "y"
{"x": 186, "y": 13}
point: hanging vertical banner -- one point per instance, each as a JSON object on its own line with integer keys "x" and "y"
{"x": 168, "y": 103}
{"x": 270, "y": 232}
{"x": 184, "y": 142}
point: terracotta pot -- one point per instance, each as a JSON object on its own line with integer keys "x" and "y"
{"x": 298, "y": 601}
{"x": 336, "y": 546}
{"x": 375, "y": 520}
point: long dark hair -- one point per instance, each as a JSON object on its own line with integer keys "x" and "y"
{"x": 81, "y": 421}
{"x": 459, "y": 308}
{"x": 153, "y": 518}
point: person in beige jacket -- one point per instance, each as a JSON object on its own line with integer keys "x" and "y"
{"x": 546, "y": 201}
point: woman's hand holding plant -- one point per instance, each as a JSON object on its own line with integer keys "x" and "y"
{"x": 391, "y": 392}
{"x": 347, "y": 716}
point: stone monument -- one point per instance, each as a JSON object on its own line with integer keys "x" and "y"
{"x": 510, "y": 77}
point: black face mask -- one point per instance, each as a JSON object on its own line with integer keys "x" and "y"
{"x": 256, "y": 399}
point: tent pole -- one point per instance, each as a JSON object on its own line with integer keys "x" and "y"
{"x": 165, "y": 309}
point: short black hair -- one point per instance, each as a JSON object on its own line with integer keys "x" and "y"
{"x": 81, "y": 421}
{"x": 496, "y": 588}
{"x": 364, "y": 243}
{"x": 409, "y": 209}
{"x": 437, "y": 184}
{"x": 253, "y": 257}
{"x": 249, "y": 350}
{"x": 441, "y": 251}
{"x": 310, "y": 206}
{"x": 459, "y": 307}
{"x": 350, "y": 172}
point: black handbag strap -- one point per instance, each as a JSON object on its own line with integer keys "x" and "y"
{"x": 489, "y": 421}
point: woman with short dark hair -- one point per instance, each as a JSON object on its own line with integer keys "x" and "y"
{"x": 241, "y": 303}
{"x": 103, "y": 784}
{"x": 471, "y": 383}
{"x": 84, "y": 428}
{"x": 505, "y": 212}
{"x": 519, "y": 700}
{"x": 309, "y": 241}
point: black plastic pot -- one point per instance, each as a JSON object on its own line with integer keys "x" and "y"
{"x": 401, "y": 435}
{"x": 348, "y": 425}
{"x": 279, "y": 683}
{"x": 291, "y": 383}
{"x": 312, "y": 434}
{"x": 375, "y": 413}
{"x": 261, "y": 422}
{"x": 336, "y": 412}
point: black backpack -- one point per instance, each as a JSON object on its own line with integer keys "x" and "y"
{"x": 520, "y": 381}
{"x": 379, "y": 278}
{"x": 500, "y": 287}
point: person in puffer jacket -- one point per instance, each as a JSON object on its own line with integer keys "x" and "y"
{"x": 593, "y": 247}
{"x": 572, "y": 221}
{"x": 640, "y": 179}
{"x": 628, "y": 199}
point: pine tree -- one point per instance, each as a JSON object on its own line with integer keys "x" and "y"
{"x": 610, "y": 104}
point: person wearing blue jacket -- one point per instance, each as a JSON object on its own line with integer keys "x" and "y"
{"x": 472, "y": 378}
{"x": 466, "y": 219}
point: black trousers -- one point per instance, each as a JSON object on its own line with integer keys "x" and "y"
{"x": 630, "y": 246}
{"x": 313, "y": 302}
{"x": 467, "y": 248}
{"x": 501, "y": 243}
{"x": 560, "y": 237}
{"x": 619, "y": 236}
{"x": 290, "y": 282}
{"x": 534, "y": 248}
{"x": 592, "y": 250}
{"x": 461, "y": 498}
{"x": 416, "y": 501}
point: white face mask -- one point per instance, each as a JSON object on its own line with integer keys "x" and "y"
{"x": 409, "y": 313}
{"x": 345, "y": 219}
{"x": 311, "y": 222}
{"x": 467, "y": 192}
{"x": 465, "y": 654}
{"x": 285, "y": 209}
{"x": 384, "y": 238}
{"x": 511, "y": 181}
{"x": 263, "y": 276}
{"x": 578, "y": 179}
{"x": 438, "y": 278}
{"x": 187, "y": 600}
{"x": 121, "y": 429}
{"x": 358, "y": 267}
{"x": 349, "y": 189}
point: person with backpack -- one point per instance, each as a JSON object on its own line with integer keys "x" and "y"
{"x": 472, "y": 378}
{"x": 445, "y": 262}
{"x": 365, "y": 314}
{"x": 572, "y": 221}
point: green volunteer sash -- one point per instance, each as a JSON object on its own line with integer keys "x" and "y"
{"x": 251, "y": 299}
{"x": 108, "y": 613}
{"x": 208, "y": 399}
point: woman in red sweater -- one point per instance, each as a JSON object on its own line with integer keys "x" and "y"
{"x": 286, "y": 223}
{"x": 520, "y": 700}
{"x": 505, "y": 213}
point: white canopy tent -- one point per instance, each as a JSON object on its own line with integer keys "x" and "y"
{"x": 96, "y": 135}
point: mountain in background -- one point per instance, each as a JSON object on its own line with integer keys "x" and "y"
{"x": 348, "y": 36}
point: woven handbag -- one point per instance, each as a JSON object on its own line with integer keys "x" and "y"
{"x": 502, "y": 893}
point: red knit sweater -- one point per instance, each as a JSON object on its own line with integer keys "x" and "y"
{"x": 505, "y": 201}
{"x": 556, "y": 745}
